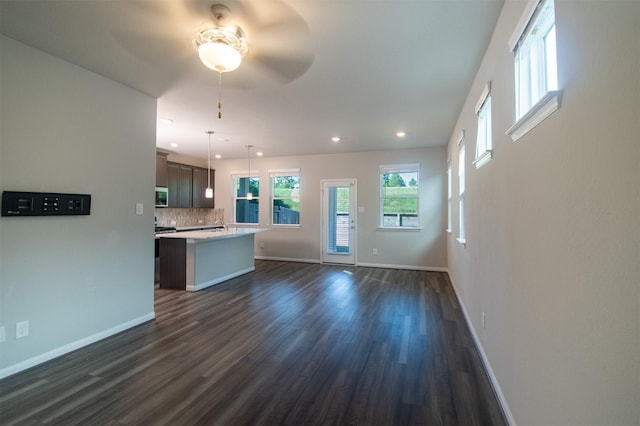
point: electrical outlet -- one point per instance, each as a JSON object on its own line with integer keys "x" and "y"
{"x": 261, "y": 245}
{"x": 484, "y": 321}
{"x": 139, "y": 208}
{"x": 200, "y": 221}
{"x": 22, "y": 329}
{"x": 374, "y": 251}
{"x": 3, "y": 334}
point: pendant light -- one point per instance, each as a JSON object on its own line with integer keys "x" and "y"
{"x": 208, "y": 193}
{"x": 249, "y": 194}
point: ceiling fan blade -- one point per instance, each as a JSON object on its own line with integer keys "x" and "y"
{"x": 282, "y": 69}
{"x": 157, "y": 32}
{"x": 160, "y": 33}
{"x": 155, "y": 50}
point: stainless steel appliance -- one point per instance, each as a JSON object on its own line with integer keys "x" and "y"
{"x": 162, "y": 196}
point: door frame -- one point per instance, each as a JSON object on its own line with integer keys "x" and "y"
{"x": 353, "y": 182}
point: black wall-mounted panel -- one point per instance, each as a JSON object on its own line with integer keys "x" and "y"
{"x": 44, "y": 204}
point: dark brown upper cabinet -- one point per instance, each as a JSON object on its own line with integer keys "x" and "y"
{"x": 162, "y": 178}
{"x": 187, "y": 185}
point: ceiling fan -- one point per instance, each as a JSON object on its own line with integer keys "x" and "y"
{"x": 277, "y": 41}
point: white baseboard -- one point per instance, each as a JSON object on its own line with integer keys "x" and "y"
{"x": 70, "y": 347}
{"x": 409, "y": 267}
{"x": 286, "y": 259}
{"x": 483, "y": 356}
{"x": 371, "y": 265}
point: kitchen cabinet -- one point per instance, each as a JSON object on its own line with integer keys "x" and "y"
{"x": 187, "y": 185}
{"x": 162, "y": 178}
{"x": 173, "y": 179}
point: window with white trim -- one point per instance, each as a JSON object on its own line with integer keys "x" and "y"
{"x": 399, "y": 196}
{"x": 461, "y": 191}
{"x": 536, "y": 75}
{"x": 246, "y": 194}
{"x": 285, "y": 196}
{"x": 449, "y": 195}
{"x": 483, "y": 141}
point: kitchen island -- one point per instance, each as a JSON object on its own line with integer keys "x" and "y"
{"x": 195, "y": 260}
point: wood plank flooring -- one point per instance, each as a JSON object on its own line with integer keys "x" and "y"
{"x": 291, "y": 343}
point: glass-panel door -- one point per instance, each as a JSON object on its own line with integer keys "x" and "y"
{"x": 338, "y": 221}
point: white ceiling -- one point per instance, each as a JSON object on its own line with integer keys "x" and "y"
{"x": 358, "y": 69}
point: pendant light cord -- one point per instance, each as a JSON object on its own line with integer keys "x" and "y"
{"x": 219, "y": 95}
{"x": 208, "y": 193}
{"x": 209, "y": 162}
{"x": 249, "y": 179}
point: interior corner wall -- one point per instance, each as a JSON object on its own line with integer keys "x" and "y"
{"x": 74, "y": 278}
{"x": 423, "y": 249}
{"x": 552, "y": 254}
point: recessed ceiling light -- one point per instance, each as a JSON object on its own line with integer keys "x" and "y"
{"x": 259, "y": 154}
{"x": 336, "y": 139}
{"x": 166, "y": 121}
{"x": 401, "y": 134}
{"x": 218, "y": 156}
{"x": 174, "y": 145}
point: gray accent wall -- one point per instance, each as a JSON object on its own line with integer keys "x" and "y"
{"x": 75, "y": 279}
{"x": 553, "y": 225}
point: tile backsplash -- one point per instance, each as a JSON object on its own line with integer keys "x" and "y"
{"x": 188, "y": 217}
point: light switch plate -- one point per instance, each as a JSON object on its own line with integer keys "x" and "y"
{"x": 22, "y": 329}
{"x": 139, "y": 208}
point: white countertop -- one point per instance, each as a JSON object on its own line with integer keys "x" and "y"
{"x": 212, "y": 234}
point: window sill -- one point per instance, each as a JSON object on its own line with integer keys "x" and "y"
{"x": 462, "y": 241}
{"x": 284, "y": 226}
{"x": 405, "y": 229}
{"x": 546, "y": 106}
{"x": 483, "y": 158}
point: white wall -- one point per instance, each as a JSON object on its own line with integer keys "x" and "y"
{"x": 553, "y": 238}
{"x": 424, "y": 249}
{"x": 75, "y": 279}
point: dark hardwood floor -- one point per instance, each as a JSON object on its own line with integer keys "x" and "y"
{"x": 291, "y": 343}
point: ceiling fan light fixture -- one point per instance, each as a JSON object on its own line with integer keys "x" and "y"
{"x": 219, "y": 56}
{"x": 221, "y": 48}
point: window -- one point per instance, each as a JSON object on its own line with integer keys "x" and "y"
{"x": 483, "y": 141}
{"x": 536, "y": 76}
{"x": 461, "y": 184}
{"x": 285, "y": 197}
{"x": 245, "y": 206}
{"x": 449, "y": 195}
{"x": 399, "y": 196}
